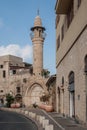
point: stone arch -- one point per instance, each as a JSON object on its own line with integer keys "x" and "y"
{"x": 31, "y": 85}
{"x": 71, "y": 94}
{"x": 34, "y": 92}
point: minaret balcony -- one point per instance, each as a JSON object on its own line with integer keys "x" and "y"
{"x": 42, "y": 35}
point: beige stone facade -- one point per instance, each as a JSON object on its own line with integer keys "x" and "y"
{"x": 71, "y": 58}
{"x": 23, "y": 80}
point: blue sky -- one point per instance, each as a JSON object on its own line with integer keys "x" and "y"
{"x": 16, "y": 19}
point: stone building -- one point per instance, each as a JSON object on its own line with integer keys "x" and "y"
{"x": 71, "y": 58}
{"x": 26, "y": 82}
{"x": 51, "y": 88}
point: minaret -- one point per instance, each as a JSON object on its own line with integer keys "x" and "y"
{"x": 37, "y": 37}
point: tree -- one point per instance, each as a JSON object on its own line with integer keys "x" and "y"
{"x": 45, "y": 73}
{"x": 9, "y": 99}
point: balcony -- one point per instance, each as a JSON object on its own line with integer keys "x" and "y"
{"x": 62, "y": 6}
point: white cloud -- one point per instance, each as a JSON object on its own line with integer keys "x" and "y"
{"x": 14, "y": 49}
{"x": 1, "y": 23}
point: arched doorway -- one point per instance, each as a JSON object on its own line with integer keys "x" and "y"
{"x": 35, "y": 94}
{"x": 85, "y": 69}
{"x": 71, "y": 94}
{"x": 59, "y": 106}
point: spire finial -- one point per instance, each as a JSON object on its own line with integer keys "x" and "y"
{"x": 38, "y": 12}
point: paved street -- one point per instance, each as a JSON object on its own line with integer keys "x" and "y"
{"x": 14, "y": 121}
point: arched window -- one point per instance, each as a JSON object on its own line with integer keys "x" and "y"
{"x": 71, "y": 81}
{"x": 85, "y": 69}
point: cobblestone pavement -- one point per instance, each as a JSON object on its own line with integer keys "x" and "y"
{"x": 59, "y": 122}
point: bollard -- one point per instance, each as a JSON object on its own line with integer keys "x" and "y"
{"x": 17, "y": 110}
{"x": 37, "y": 117}
{"x": 30, "y": 114}
{"x": 34, "y": 115}
{"x": 49, "y": 127}
{"x": 41, "y": 119}
{"x": 26, "y": 112}
{"x": 45, "y": 122}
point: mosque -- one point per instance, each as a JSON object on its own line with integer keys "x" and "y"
{"x": 26, "y": 82}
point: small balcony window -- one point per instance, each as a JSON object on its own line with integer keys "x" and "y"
{"x": 62, "y": 32}
{"x": 79, "y": 3}
{"x": 62, "y": 81}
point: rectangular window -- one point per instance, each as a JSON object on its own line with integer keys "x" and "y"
{"x": 62, "y": 32}
{"x": 1, "y": 91}
{"x": 14, "y": 71}
{"x": 18, "y": 89}
{"x": 4, "y": 73}
{"x": 58, "y": 42}
{"x": 1, "y": 66}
